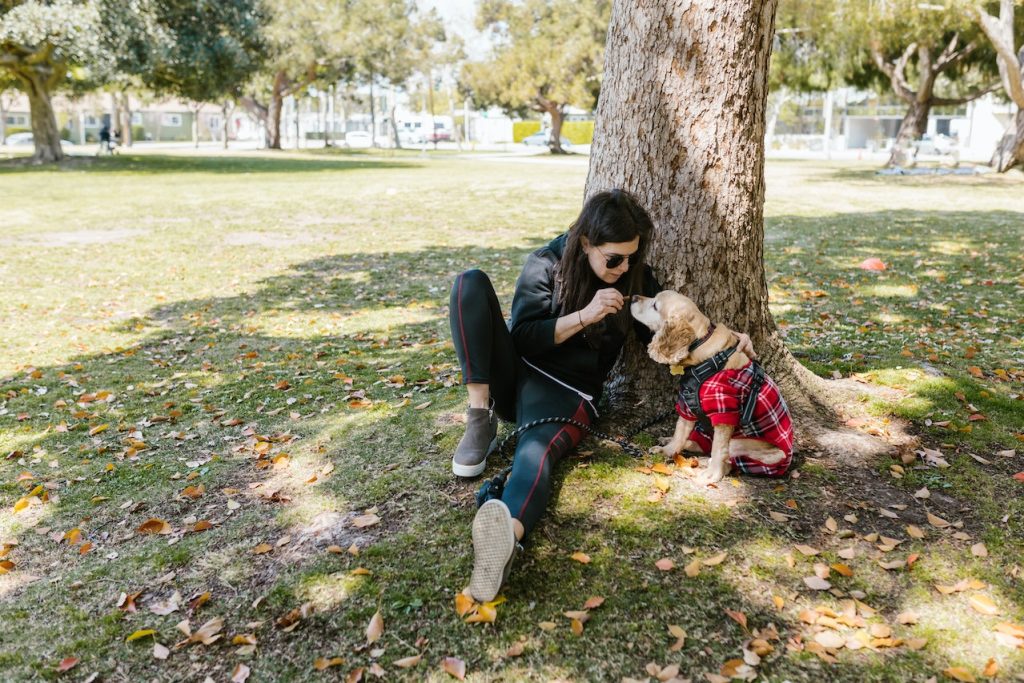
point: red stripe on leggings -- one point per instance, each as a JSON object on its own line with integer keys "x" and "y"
{"x": 462, "y": 332}
{"x": 584, "y": 418}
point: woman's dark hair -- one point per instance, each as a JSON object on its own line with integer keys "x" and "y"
{"x": 609, "y": 216}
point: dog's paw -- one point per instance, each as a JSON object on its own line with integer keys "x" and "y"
{"x": 710, "y": 475}
{"x": 668, "y": 450}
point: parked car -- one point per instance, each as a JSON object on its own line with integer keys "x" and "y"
{"x": 27, "y": 140}
{"x": 540, "y": 139}
{"x": 358, "y": 139}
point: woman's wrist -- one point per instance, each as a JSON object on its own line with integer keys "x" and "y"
{"x": 582, "y": 324}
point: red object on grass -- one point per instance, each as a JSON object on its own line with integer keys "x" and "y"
{"x": 872, "y": 264}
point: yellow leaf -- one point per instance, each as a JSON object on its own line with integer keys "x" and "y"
{"x": 779, "y": 602}
{"x": 20, "y": 504}
{"x": 99, "y": 429}
{"x": 693, "y": 569}
{"x": 262, "y": 549}
{"x": 581, "y": 557}
{"x": 321, "y": 663}
{"x": 983, "y": 604}
{"x": 717, "y": 559}
{"x": 375, "y": 628}
{"x": 140, "y": 634}
{"x": 960, "y": 674}
{"x": 484, "y": 614}
{"x": 577, "y": 627}
{"x": 463, "y": 604}
{"x": 841, "y": 568}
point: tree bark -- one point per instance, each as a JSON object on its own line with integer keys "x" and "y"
{"x": 45, "y": 134}
{"x": 274, "y": 110}
{"x": 680, "y": 124}
{"x": 1010, "y": 150}
{"x": 394, "y": 127}
{"x": 912, "y": 127}
{"x": 3, "y": 118}
{"x": 554, "y": 110}
{"x": 125, "y": 117}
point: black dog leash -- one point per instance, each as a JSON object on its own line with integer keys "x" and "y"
{"x": 493, "y": 488}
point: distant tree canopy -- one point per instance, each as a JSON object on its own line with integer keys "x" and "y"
{"x": 42, "y": 43}
{"x": 548, "y": 55}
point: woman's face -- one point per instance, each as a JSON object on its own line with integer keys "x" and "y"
{"x": 600, "y": 255}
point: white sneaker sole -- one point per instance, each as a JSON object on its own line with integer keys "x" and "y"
{"x": 476, "y": 470}
{"x": 494, "y": 541}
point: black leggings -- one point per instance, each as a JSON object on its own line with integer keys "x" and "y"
{"x": 488, "y": 356}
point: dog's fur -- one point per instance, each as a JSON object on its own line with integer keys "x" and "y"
{"x": 677, "y": 322}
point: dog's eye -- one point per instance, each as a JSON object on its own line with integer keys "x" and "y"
{"x": 655, "y": 304}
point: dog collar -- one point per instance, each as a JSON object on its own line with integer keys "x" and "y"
{"x": 694, "y": 345}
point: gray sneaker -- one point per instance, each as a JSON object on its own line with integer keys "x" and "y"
{"x": 479, "y": 441}
{"x": 494, "y": 544}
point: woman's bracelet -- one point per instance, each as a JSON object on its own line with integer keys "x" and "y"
{"x": 580, "y": 315}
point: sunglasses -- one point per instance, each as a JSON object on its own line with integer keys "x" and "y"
{"x": 612, "y": 261}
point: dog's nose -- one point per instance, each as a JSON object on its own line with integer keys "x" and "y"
{"x": 635, "y": 298}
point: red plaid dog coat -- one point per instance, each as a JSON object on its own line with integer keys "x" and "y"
{"x": 722, "y": 397}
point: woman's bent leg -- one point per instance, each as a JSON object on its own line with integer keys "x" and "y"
{"x": 489, "y": 361}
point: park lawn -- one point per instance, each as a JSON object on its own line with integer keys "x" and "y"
{"x": 259, "y": 344}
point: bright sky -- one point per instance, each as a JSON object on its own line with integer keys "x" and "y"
{"x": 458, "y": 17}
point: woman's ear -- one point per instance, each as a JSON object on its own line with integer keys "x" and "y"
{"x": 584, "y": 243}
{"x": 671, "y": 343}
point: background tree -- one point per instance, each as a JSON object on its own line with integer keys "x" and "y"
{"x": 548, "y": 55}
{"x": 197, "y": 50}
{"x": 680, "y": 124}
{"x": 7, "y": 95}
{"x": 40, "y": 41}
{"x": 1005, "y": 32}
{"x": 304, "y": 42}
{"x": 915, "y": 50}
{"x": 391, "y": 43}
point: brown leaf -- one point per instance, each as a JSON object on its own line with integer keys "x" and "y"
{"x": 408, "y": 662}
{"x": 807, "y": 550}
{"x": 680, "y": 635}
{"x": 983, "y": 604}
{"x": 454, "y": 667}
{"x": 262, "y": 549}
{"x": 665, "y": 564}
{"x": 817, "y": 583}
{"x": 693, "y": 569}
{"x": 375, "y": 628}
{"x": 979, "y": 550}
{"x": 363, "y": 521}
{"x": 67, "y": 663}
{"x": 739, "y": 617}
{"x": 593, "y": 602}
{"x": 321, "y": 663}
{"x": 240, "y": 674}
{"x": 937, "y": 522}
{"x": 915, "y": 531}
{"x": 516, "y": 649}
{"x": 960, "y": 674}
{"x": 154, "y": 526}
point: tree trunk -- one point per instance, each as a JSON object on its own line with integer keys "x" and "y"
{"x": 912, "y": 127}
{"x": 125, "y": 115}
{"x": 45, "y": 134}
{"x": 394, "y": 127}
{"x": 274, "y": 110}
{"x": 555, "y": 141}
{"x": 3, "y": 118}
{"x": 226, "y": 110}
{"x": 1010, "y": 150}
{"x": 195, "y": 126}
{"x": 680, "y": 124}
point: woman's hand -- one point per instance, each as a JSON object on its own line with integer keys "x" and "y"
{"x": 744, "y": 346}
{"x": 605, "y": 303}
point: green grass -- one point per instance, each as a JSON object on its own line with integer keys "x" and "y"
{"x": 301, "y": 298}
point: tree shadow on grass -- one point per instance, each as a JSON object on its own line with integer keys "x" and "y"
{"x": 153, "y": 164}
{"x": 951, "y": 180}
{"x": 206, "y": 363}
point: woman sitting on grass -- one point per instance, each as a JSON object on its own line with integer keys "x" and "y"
{"x": 569, "y": 322}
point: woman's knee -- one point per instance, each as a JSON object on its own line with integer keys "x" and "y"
{"x": 470, "y": 282}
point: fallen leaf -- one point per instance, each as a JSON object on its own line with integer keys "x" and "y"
{"x": 547, "y": 626}
{"x": 408, "y": 662}
{"x": 979, "y": 550}
{"x": 454, "y": 667}
{"x": 817, "y": 583}
{"x": 807, "y": 550}
{"x": 322, "y": 663}
{"x": 262, "y": 549}
{"x": 363, "y": 521}
{"x": 680, "y": 635}
{"x": 960, "y": 674}
{"x": 463, "y": 604}
{"x": 991, "y": 668}
{"x": 67, "y": 663}
{"x": 907, "y": 617}
{"x": 936, "y": 521}
{"x": 160, "y": 651}
{"x": 484, "y": 614}
{"x": 580, "y": 557}
{"x": 922, "y": 493}
{"x": 577, "y": 627}
{"x": 739, "y": 617}
{"x": 154, "y": 526}
{"x": 983, "y": 604}
{"x": 871, "y": 264}
{"x": 714, "y": 560}
{"x": 830, "y": 639}
{"x": 916, "y": 643}
{"x": 915, "y": 531}
{"x": 593, "y": 602}
{"x": 240, "y": 674}
{"x": 841, "y": 568}
{"x": 665, "y": 564}
{"x": 375, "y": 628}
{"x": 142, "y": 633}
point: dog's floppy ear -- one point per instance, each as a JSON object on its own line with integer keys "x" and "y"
{"x": 671, "y": 343}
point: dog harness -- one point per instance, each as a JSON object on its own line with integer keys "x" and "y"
{"x": 746, "y": 398}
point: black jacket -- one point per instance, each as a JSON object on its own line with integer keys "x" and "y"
{"x": 585, "y": 359}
